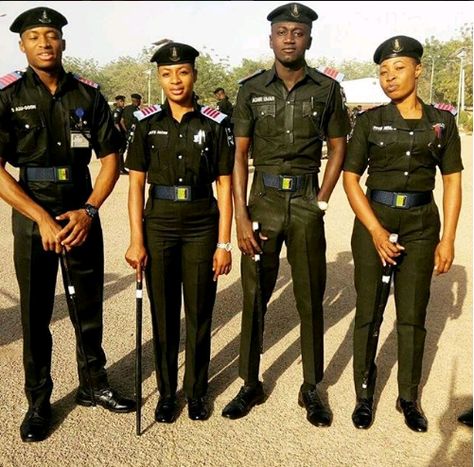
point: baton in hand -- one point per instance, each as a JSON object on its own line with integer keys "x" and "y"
{"x": 138, "y": 348}
{"x": 71, "y": 294}
{"x": 383, "y": 292}
{"x": 258, "y": 284}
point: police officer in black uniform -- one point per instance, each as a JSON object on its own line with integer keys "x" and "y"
{"x": 50, "y": 121}
{"x": 129, "y": 110}
{"x": 400, "y": 144}
{"x": 223, "y": 102}
{"x": 285, "y": 114}
{"x": 184, "y": 239}
{"x": 117, "y": 115}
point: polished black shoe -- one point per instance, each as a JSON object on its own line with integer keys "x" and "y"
{"x": 36, "y": 424}
{"x": 241, "y": 404}
{"x": 466, "y": 418}
{"x": 107, "y": 398}
{"x": 414, "y": 419}
{"x": 363, "y": 414}
{"x": 167, "y": 410}
{"x": 198, "y": 409}
{"x": 316, "y": 412}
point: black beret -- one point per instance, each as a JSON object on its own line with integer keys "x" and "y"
{"x": 38, "y": 17}
{"x": 120, "y": 98}
{"x": 293, "y": 12}
{"x": 174, "y": 53}
{"x": 398, "y": 46}
{"x": 135, "y": 96}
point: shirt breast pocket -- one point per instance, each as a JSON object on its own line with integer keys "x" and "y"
{"x": 28, "y": 131}
{"x": 264, "y": 114}
{"x": 157, "y": 145}
{"x": 311, "y": 121}
{"x": 381, "y": 146}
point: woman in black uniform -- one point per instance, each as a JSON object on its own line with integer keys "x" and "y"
{"x": 400, "y": 144}
{"x": 182, "y": 238}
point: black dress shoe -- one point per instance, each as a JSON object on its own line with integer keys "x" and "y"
{"x": 316, "y": 412}
{"x": 167, "y": 409}
{"x": 466, "y": 418}
{"x": 363, "y": 414}
{"x": 107, "y": 398}
{"x": 198, "y": 409}
{"x": 36, "y": 424}
{"x": 414, "y": 419}
{"x": 240, "y": 405}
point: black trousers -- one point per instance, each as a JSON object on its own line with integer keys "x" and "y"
{"x": 293, "y": 218}
{"x": 36, "y": 272}
{"x": 418, "y": 231}
{"x": 181, "y": 240}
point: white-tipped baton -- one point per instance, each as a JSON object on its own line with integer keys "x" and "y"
{"x": 71, "y": 301}
{"x": 258, "y": 290}
{"x": 138, "y": 347}
{"x": 383, "y": 292}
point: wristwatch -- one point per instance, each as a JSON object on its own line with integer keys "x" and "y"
{"x": 323, "y": 205}
{"x": 91, "y": 210}
{"x": 225, "y": 246}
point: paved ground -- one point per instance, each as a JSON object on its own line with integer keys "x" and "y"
{"x": 275, "y": 433}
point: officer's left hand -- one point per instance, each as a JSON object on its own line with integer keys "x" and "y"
{"x": 222, "y": 262}
{"x": 75, "y": 232}
{"x": 444, "y": 256}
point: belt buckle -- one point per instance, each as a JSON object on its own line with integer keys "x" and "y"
{"x": 287, "y": 183}
{"x": 62, "y": 174}
{"x": 400, "y": 200}
{"x": 182, "y": 193}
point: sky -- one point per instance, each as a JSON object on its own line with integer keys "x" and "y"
{"x": 105, "y": 31}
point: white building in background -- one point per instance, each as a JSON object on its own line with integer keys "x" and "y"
{"x": 365, "y": 92}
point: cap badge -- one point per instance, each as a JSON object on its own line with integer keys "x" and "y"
{"x": 174, "y": 57}
{"x": 396, "y": 47}
{"x": 294, "y": 11}
{"x": 44, "y": 18}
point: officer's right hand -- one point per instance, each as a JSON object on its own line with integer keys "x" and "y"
{"x": 385, "y": 248}
{"x": 248, "y": 244}
{"x": 136, "y": 255}
{"x": 49, "y": 230}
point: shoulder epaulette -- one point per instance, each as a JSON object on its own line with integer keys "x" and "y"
{"x": 447, "y": 107}
{"x": 213, "y": 114}
{"x": 9, "y": 79}
{"x": 331, "y": 72}
{"x": 147, "y": 111}
{"x": 86, "y": 81}
{"x": 253, "y": 75}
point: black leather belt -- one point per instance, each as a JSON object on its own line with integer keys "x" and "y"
{"x": 284, "y": 182}
{"x": 401, "y": 200}
{"x": 181, "y": 193}
{"x": 61, "y": 174}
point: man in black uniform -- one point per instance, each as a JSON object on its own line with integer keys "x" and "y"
{"x": 223, "y": 103}
{"x": 117, "y": 114}
{"x": 128, "y": 110}
{"x": 285, "y": 114}
{"x": 49, "y": 123}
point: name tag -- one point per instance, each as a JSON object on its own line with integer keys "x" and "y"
{"x": 78, "y": 140}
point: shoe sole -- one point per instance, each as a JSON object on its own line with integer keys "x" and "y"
{"x": 85, "y": 403}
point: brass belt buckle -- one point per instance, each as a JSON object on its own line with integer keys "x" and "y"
{"x": 400, "y": 200}
{"x": 287, "y": 183}
{"x": 62, "y": 174}
{"x": 182, "y": 193}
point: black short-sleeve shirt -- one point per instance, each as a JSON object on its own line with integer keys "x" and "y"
{"x": 400, "y": 156}
{"x": 288, "y": 128}
{"x": 191, "y": 152}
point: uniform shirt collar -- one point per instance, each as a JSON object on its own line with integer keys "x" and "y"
{"x": 308, "y": 72}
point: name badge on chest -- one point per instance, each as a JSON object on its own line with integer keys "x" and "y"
{"x": 79, "y": 140}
